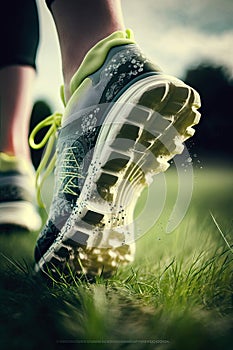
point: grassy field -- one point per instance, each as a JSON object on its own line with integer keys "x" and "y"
{"x": 176, "y": 295}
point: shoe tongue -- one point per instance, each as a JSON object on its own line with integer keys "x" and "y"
{"x": 95, "y": 58}
{"x": 12, "y": 163}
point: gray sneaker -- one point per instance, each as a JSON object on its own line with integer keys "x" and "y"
{"x": 123, "y": 123}
{"x": 17, "y": 194}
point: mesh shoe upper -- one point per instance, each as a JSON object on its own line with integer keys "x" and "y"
{"x": 82, "y": 120}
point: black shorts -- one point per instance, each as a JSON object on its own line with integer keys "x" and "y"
{"x": 19, "y": 31}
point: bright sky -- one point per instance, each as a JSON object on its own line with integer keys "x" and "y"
{"x": 176, "y": 34}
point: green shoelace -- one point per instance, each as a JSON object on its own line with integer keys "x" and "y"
{"x": 47, "y": 162}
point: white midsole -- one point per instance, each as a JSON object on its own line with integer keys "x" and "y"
{"x": 20, "y": 213}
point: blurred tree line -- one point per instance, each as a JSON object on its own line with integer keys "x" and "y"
{"x": 40, "y": 111}
{"x": 213, "y": 137}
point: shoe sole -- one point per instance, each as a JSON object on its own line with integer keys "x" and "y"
{"x": 21, "y": 214}
{"x": 154, "y": 117}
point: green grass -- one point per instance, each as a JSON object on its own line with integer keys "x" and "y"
{"x": 176, "y": 295}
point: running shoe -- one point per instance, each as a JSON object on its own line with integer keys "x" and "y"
{"x": 17, "y": 194}
{"x": 124, "y": 121}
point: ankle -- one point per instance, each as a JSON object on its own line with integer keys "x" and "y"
{"x": 22, "y": 151}
{"x": 94, "y": 59}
